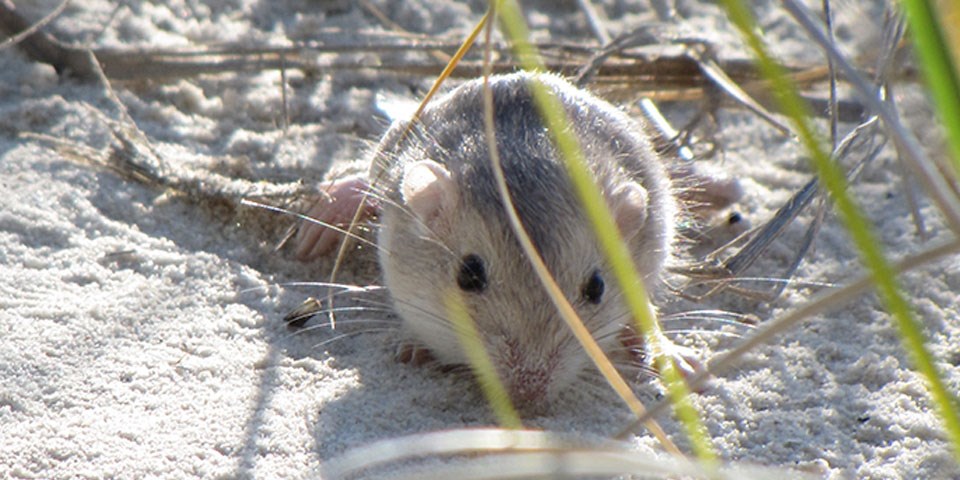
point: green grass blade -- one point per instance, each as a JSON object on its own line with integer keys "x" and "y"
{"x": 480, "y": 362}
{"x": 616, "y": 251}
{"x": 939, "y": 70}
{"x": 833, "y": 179}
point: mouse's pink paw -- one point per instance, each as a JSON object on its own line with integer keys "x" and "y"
{"x": 685, "y": 360}
{"x": 414, "y": 355}
{"x": 706, "y": 190}
{"x": 334, "y": 208}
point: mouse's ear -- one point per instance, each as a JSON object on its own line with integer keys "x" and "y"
{"x": 426, "y": 188}
{"x": 628, "y": 203}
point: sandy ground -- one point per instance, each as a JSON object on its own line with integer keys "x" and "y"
{"x": 142, "y": 333}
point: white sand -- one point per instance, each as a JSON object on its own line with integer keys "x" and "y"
{"x": 142, "y": 336}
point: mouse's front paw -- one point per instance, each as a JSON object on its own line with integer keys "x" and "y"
{"x": 330, "y": 214}
{"x": 414, "y": 355}
{"x": 685, "y": 359}
{"x": 706, "y": 190}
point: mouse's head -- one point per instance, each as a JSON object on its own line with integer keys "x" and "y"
{"x": 444, "y": 229}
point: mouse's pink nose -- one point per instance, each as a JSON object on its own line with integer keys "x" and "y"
{"x": 528, "y": 377}
{"x": 529, "y": 384}
{"x": 528, "y": 388}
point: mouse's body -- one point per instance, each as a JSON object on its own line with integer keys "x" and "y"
{"x": 443, "y": 227}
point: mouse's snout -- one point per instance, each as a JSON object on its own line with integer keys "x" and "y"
{"x": 528, "y": 386}
{"x": 528, "y": 378}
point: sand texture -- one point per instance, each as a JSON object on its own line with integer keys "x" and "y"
{"x": 141, "y": 332}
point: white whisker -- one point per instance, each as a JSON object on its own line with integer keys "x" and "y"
{"x": 345, "y": 287}
{"x": 687, "y": 331}
{"x": 326, "y": 326}
{"x": 309, "y": 219}
{"x": 347, "y": 335}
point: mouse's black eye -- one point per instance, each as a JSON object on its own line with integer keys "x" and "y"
{"x": 472, "y": 276}
{"x": 592, "y": 291}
